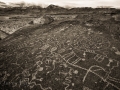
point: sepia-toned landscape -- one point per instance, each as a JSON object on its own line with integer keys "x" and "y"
{"x": 58, "y": 48}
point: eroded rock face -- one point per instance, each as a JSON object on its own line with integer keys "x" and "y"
{"x": 42, "y": 20}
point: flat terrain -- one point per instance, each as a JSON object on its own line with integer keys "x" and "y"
{"x": 70, "y": 53}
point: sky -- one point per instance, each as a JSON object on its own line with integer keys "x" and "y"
{"x": 72, "y": 3}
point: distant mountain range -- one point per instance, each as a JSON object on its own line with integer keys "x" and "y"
{"x": 2, "y": 2}
{"x": 3, "y": 5}
{"x": 22, "y": 4}
{"x": 22, "y": 8}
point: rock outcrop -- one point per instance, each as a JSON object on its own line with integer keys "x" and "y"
{"x": 117, "y": 17}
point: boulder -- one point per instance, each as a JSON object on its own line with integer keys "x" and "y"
{"x": 42, "y": 20}
{"x": 3, "y": 35}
